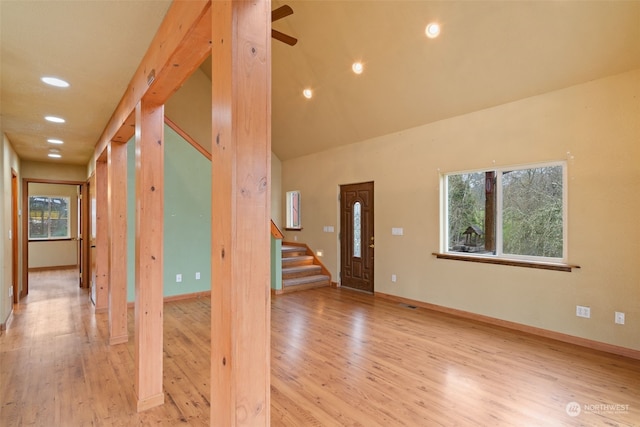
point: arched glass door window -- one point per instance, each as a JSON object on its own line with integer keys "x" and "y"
{"x": 357, "y": 230}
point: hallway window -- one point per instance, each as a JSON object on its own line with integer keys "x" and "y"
{"x": 293, "y": 210}
{"x": 49, "y": 218}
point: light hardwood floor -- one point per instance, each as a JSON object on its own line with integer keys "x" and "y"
{"x": 338, "y": 358}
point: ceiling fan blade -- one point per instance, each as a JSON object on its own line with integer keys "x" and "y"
{"x": 291, "y": 41}
{"x": 281, "y": 12}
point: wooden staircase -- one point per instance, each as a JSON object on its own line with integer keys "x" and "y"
{"x": 301, "y": 270}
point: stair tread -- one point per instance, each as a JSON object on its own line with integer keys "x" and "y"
{"x": 305, "y": 279}
{"x": 286, "y": 248}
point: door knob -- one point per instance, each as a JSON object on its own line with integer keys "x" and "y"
{"x": 371, "y": 245}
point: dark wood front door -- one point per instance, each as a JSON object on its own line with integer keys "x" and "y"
{"x": 356, "y": 236}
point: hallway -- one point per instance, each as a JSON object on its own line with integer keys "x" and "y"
{"x": 57, "y": 369}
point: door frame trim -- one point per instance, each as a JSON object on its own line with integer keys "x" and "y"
{"x": 15, "y": 236}
{"x": 341, "y": 235}
{"x": 25, "y": 223}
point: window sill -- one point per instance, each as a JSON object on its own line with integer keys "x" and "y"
{"x": 61, "y": 239}
{"x": 293, "y": 229}
{"x": 511, "y": 262}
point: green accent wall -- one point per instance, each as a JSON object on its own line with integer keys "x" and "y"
{"x": 187, "y": 217}
{"x": 276, "y": 263}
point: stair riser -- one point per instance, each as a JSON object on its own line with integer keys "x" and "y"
{"x": 293, "y": 254}
{"x": 305, "y": 286}
{"x": 296, "y": 262}
{"x": 295, "y": 274}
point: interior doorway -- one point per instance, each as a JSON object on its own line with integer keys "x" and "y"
{"x": 357, "y": 241}
{"x": 53, "y": 225}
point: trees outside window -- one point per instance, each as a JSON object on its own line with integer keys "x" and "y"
{"x": 507, "y": 212}
{"x": 49, "y": 218}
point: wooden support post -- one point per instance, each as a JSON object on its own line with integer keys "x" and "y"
{"x": 149, "y": 254}
{"x": 101, "y": 294}
{"x": 117, "y": 196}
{"x": 241, "y": 149}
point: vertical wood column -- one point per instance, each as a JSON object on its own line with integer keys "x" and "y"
{"x": 101, "y": 300}
{"x": 149, "y": 254}
{"x": 117, "y": 195}
{"x": 241, "y": 147}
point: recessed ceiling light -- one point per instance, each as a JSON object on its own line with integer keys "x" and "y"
{"x": 55, "y": 141}
{"x": 433, "y": 30}
{"x": 54, "y": 155}
{"x": 308, "y": 93}
{"x": 54, "y": 81}
{"x": 54, "y": 119}
{"x": 357, "y": 67}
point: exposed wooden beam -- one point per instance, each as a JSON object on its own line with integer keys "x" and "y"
{"x": 194, "y": 48}
{"x": 148, "y": 310}
{"x": 117, "y": 201}
{"x": 181, "y": 44}
{"x": 240, "y": 243}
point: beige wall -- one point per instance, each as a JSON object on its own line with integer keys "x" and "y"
{"x": 190, "y": 108}
{"x": 5, "y": 301}
{"x": 53, "y": 171}
{"x": 276, "y": 191}
{"x": 8, "y": 161}
{"x": 598, "y": 123}
{"x": 56, "y": 253}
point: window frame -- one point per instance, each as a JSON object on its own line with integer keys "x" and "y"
{"x": 499, "y": 249}
{"x": 292, "y": 224}
{"x": 49, "y": 236}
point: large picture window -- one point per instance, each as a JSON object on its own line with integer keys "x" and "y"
{"x": 517, "y": 212}
{"x": 49, "y": 218}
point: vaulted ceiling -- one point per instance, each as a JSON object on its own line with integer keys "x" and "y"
{"x": 488, "y": 53}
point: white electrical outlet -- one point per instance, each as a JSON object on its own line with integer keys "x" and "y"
{"x": 11, "y": 292}
{"x": 197, "y": 275}
{"x": 393, "y": 278}
{"x": 178, "y": 278}
{"x": 619, "y": 318}
{"x": 583, "y": 311}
